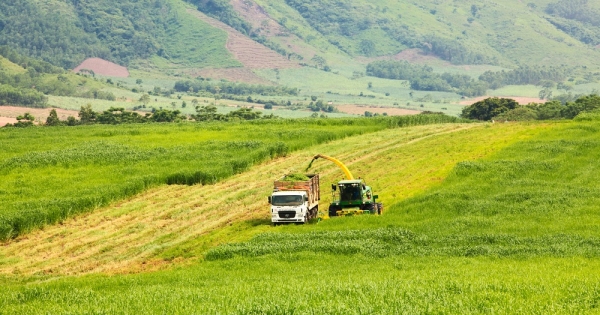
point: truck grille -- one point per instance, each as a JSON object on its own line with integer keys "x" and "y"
{"x": 287, "y": 214}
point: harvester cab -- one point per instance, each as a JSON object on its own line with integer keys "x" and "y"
{"x": 351, "y": 196}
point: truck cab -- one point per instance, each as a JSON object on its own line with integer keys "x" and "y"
{"x": 295, "y": 201}
{"x": 289, "y": 206}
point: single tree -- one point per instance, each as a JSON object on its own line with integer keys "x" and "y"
{"x": 53, "y": 119}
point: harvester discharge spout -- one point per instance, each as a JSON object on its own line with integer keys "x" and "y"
{"x": 334, "y": 160}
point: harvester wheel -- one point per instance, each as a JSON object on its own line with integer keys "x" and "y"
{"x": 333, "y": 210}
{"x": 371, "y": 207}
{"x": 379, "y": 208}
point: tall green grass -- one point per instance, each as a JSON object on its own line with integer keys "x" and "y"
{"x": 536, "y": 198}
{"x": 325, "y": 284}
{"x": 49, "y": 174}
{"x": 516, "y": 232}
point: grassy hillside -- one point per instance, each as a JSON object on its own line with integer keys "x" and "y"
{"x": 510, "y": 229}
{"x": 463, "y": 33}
{"x": 66, "y": 33}
{"x": 540, "y": 32}
{"x": 68, "y": 171}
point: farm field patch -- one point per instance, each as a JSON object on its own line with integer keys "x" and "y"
{"x": 480, "y": 218}
{"x": 49, "y": 174}
{"x": 173, "y": 223}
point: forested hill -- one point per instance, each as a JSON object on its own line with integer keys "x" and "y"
{"x": 66, "y": 32}
{"x": 500, "y": 32}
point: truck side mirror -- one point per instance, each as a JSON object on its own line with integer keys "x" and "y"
{"x": 333, "y": 187}
{"x": 270, "y": 200}
{"x": 305, "y": 198}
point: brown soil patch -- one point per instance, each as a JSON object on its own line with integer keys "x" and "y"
{"x": 361, "y": 109}
{"x": 6, "y": 120}
{"x": 103, "y": 67}
{"x": 250, "y": 53}
{"x": 520, "y": 100}
{"x": 8, "y": 114}
{"x": 231, "y": 74}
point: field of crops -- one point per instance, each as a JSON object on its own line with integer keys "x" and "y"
{"x": 49, "y": 174}
{"x": 498, "y": 218}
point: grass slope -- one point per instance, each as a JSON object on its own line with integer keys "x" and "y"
{"x": 74, "y": 170}
{"x": 511, "y": 230}
{"x": 527, "y": 39}
{"x": 480, "y": 219}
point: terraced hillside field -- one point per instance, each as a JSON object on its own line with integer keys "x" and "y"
{"x": 481, "y": 218}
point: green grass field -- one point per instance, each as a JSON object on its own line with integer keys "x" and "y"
{"x": 513, "y": 228}
{"x": 77, "y": 169}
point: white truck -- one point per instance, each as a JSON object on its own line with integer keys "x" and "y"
{"x": 295, "y": 201}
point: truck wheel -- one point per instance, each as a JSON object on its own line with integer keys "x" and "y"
{"x": 306, "y": 218}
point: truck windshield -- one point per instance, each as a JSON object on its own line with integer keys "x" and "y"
{"x": 350, "y": 193}
{"x": 293, "y": 200}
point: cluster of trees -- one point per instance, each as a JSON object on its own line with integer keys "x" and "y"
{"x": 502, "y": 109}
{"x": 454, "y": 51}
{"x": 209, "y": 113}
{"x": 119, "y": 31}
{"x": 525, "y": 75}
{"x": 587, "y": 34}
{"x": 40, "y": 78}
{"x": 422, "y": 78}
{"x": 18, "y": 96}
{"x": 576, "y": 18}
{"x": 577, "y": 10}
{"x": 332, "y": 17}
{"x": 232, "y": 88}
{"x": 116, "y": 116}
{"x": 320, "y": 106}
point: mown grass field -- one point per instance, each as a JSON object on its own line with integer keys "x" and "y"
{"x": 480, "y": 218}
{"x": 71, "y": 170}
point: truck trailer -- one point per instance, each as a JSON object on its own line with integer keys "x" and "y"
{"x": 295, "y": 201}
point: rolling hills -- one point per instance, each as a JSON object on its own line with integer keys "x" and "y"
{"x": 324, "y": 48}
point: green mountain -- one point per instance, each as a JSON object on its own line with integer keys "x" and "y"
{"x": 503, "y": 33}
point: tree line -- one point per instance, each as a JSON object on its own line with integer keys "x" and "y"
{"x": 231, "y": 88}
{"x": 422, "y": 78}
{"x": 118, "y": 115}
{"x": 503, "y": 109}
